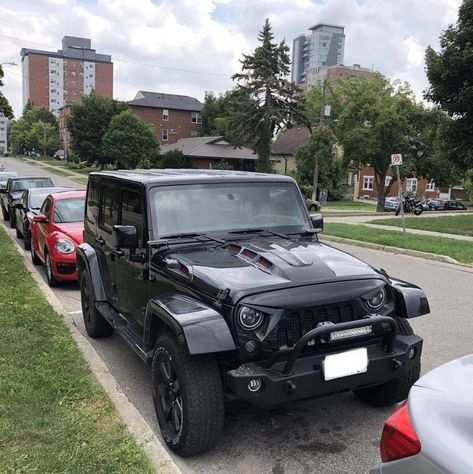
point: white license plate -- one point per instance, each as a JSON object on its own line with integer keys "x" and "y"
{"x": 346, "y": 363}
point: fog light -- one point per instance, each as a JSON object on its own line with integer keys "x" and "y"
{"x": 412, "y": 353}
{"x": 348, "y": 333}
{"x": 254, "y": 385}
{"x": 251, "y": 347}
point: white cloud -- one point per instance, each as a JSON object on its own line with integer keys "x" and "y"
{"x": 211, "y": 35}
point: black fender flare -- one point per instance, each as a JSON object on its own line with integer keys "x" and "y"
{"x": 201, "y": 327}
{"x": 86, "y": 260}
{"x": 411, "y": 301}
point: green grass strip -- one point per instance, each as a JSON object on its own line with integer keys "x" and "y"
{"x": 458, "y": 249}
{"x": 349, "y": 205}
{"x": 459, "y": 225}
{"x": 54, "y": 415}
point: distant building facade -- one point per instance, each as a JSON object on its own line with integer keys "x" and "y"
{"x": 284, "y": 149}
{"x": 317, "y": 75}
{"x": 51, "y": 79}
{"x": 4, "y": 124}
{"x": 324, "y": 46}
{"x": 171, "y": 116}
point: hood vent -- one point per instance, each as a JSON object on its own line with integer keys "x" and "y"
{"x": 250, "y": 257}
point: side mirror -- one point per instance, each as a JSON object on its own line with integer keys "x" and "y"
{"x": 3, "y": 190}
{"x": 18, "y": 205}
{"x": 317, "y": 222}
{"x": 40, "y": 219}
{"x": 125, "y": 236}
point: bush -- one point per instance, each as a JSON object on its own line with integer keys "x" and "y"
{"x": 175, "y": 159}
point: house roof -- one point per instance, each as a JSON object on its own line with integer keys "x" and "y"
{"x": 209, "y": 147}
{"x": 289, "y": 142}
{"x": 166, "y": 101}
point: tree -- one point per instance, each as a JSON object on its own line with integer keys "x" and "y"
{"x": 451, "y": 85}
{"x": 269, "y": 100}
{"x": 88, "y": 123}
{"x": 175, "y": 159}
{"x": 129, "y": 140}
{"x": 44, "y": 138}
{"x": 5, "y": 107}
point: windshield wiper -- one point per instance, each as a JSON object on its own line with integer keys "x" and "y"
{"x": 194, "y": 236}
{"x": 258, "y": 231}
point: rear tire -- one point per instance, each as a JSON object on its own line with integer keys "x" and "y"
{"x": 34, "y": 258}
{"x": 188, "y": 397}
{"x": 418, "y": 211}
{"x": 398, "y": 211}
{"x": 5, "y": 215}
{"x": 95, "y": 324}
{"x": 396, "y": 390}
{"x": 11, "y": 213}
{"x": 26, "y": 239}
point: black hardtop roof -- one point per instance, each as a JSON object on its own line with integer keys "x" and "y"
{"x": 189, "y": 176}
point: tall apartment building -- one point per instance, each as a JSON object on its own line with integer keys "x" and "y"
{"x": 4, "y": 122}
{"x": 324, "y": 46}
{"x": 50, "y": 79}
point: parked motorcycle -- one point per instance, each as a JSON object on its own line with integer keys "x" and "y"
{"x": 411, "y": 204}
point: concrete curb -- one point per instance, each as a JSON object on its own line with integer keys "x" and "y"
{"x": 387, "y": 248}
{"x": 137, "y": 425}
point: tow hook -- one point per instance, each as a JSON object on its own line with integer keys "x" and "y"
{"x": 290, "y": 387}
{"x": 397, "y": 364}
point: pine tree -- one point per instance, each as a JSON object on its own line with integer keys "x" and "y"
{"x": 268, "y": 100}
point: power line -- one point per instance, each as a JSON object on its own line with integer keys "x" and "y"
{"x": 137, "y": 63}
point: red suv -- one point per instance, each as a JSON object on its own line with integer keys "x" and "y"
{"x": 55, "y": 234}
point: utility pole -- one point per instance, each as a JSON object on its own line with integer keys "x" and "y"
{"x": 321, "y": 124}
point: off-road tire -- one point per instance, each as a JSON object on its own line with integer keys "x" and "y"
{"x": 34, "y": 258}
{"x": 396, "y": 390}
{"x": 52, "y": 282}
{"x": 201, "y": 397}
{"x": 95, "y": 324}
{"x": 5, "y": 215}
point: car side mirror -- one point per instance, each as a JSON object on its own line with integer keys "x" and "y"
{"x": 40, "y": 219}
{"x": 3, "y": 190}
{"x": 125, "y": 236}
{"x": 18, "y": 205}
{"x": 317, "y": 222}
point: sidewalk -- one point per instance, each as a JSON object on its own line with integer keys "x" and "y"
{"x": 63, "y": 170}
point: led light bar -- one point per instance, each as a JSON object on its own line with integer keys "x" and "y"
{"x": 348, "y": 333}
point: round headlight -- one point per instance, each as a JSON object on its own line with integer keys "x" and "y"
{"x": 377, "y": 300}
{"x": 64, "y": 246}
{"x": 250, "y": 318}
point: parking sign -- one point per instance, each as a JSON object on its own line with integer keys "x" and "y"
{"x": 396, "y": 159}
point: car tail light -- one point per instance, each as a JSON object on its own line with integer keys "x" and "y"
{"x": 399, "y": 439}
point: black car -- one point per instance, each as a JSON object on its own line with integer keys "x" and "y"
{"x": 29, "y": 206}
{"x": 11, "y": 194}
{"x": 218, "y": 280}
{"x": 446, "y": 205}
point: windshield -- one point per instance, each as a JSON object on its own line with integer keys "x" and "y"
{"x": 69, "y": 210}
{"x": 28, "y": 183}
{"x": 37, "y": 199}
{"x": 223, "y": 207}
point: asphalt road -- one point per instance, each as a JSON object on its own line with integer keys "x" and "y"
{"x": 336, "y": 434}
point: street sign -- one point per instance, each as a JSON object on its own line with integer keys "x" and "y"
{"x": 396, "y": 159}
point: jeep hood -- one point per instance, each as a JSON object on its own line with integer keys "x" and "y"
{"x": 262, "y": 264}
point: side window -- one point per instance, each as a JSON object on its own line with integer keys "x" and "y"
{"x": 46, "y": 207}
{"x": 131, "y": 211}
{"x": 92, "y": 205}
{"x": 108, "y": 208}
{"x": 24, "y": 199}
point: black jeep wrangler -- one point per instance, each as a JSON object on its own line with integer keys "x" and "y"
{"x": 218, "y": 280}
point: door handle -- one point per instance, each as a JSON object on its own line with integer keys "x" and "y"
{"x": 99, "y": 240}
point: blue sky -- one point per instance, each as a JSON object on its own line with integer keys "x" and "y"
{"x": 164, "y": 46}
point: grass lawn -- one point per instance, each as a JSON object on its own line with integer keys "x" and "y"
{"x": 80, "y": 179}
{"x": 350, "y": 205}
{"x": 54, "y": 416}
{"x": 59, "y": 171}
{"x": 458, "y": 249}
{"x": 461, "y": 225}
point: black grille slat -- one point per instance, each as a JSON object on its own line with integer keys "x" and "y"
{"x": 301, "y": 322}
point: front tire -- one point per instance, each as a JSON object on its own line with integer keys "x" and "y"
{"x": 396, "y": 390}
{"x": 188, "y": 397}
{"x": 95, "y": 324}
{"x": 11, "y": 213}
{"x": 52, "y": 282}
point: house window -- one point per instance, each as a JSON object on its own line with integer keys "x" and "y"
{"x": 387, "y": 180}
{"x": 368, "y": 183}
{"x": 165, "y": 115}
{"x": 430, "y": 186}
{"x": 412, "y": 185}
{"x": 196, "y": 117}
{"x": 165, "y": 135}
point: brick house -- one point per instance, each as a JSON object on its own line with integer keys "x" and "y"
{"x": 367, "y": 185}
{"x": 284, "y": 149}
{"x": 206, "y": 152}
{"x": 171, "y": 116}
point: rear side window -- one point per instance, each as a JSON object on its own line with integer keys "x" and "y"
{"x": 108, "y": 208}
{"x": 92, "y": 206}
{"x": 131, "y": 212}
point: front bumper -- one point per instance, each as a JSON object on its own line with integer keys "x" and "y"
{"x": 64, "y": 267}
{"x": 287, "y": 376}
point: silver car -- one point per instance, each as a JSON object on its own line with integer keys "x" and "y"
{"x": 433, "y": 431}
